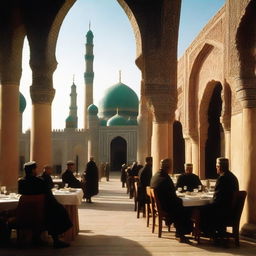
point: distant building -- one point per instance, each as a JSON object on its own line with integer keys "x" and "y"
{"x": 109, "y": 133}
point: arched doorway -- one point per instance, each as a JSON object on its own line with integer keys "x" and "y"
{"x": 178, "y": 148}
{"x": 215, "y": 130}
{"x": 118, "y": 153}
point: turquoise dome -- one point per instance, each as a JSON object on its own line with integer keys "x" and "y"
{"x": 117, "y": 120}
{"x": 119, "y": 97}
{"x": 131, "y": 121}
{"x": 22, "y": 102}
{"x": 103, "y": 122}
{"x": 92, "y": 110}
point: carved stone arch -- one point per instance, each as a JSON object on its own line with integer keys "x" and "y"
{"x": 246, "y": 42}
{"x": 192, "y": 118}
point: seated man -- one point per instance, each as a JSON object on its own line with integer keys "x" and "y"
{"x": 145, "y": 175}
{"x": 57, "y": 218}
{"x": 188, "y": 179}
{"x": 164, "y": 187}
{"x": 214, "y": 215}
{"x": 46, "y": 176}
{"x": 69, "y": 178}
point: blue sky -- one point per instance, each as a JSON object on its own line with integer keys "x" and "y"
{"x": 114, "y": 50}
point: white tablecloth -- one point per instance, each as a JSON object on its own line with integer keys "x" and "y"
{"x": 69, "y": 198}
{"x": 196, "y": 199}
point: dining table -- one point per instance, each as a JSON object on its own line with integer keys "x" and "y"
{"x": 194, "y": 199}
{"x": 70, "y": 198}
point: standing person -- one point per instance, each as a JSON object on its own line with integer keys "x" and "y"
{"x": 69, "y": 178}
{"x": 57, "y": 218}
{"x": 101, "y": 171}
{"x": 165, "y": 190}
{"x": 91, "y": 180}
{"x": 214, "y": 216}
{"x": 188, "y": 179}
{"x": 46, "y": 176}
{"x": 123, "y": 175}
{"x": 145, "y": 175}
{"x": 107, "y": 171}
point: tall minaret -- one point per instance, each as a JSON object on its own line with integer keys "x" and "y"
{"x": 89, "y": 74}
{"x": 71, "y": 121}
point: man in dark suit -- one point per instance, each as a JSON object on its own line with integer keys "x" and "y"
{"x": 46, "y": 176}
{"x": 69, "y": 178}
{"x": 145, "y": 175}
{"x": 214, "y": 215}
{"x": 188, "y": 179}
{"x": 164, "y": 187}
{"x": 57, "y": 218}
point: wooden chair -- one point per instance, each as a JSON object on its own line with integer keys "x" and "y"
{"x": 159, "y": 212}
{"x": 149, "y": 208}
{"x": 139, "y": 205}
{"x": 30, "y": 215}
{"x": 236, "y": 212}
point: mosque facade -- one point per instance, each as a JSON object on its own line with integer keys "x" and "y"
{"x": 109, "y": 133}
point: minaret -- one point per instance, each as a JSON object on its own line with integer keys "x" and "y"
{"x": 89, "y": 74}
{"x": 71, "y": 121}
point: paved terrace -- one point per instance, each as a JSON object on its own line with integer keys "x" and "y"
{"x": 109, "y": 227}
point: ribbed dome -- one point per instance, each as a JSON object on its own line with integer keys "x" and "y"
{"x": 92, "y": 110}
{"x": 23, "y": 103}
{"x": 121, "y": 97}
{"x": 117, "y": 120}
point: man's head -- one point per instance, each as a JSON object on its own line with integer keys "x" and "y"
{"x": 222, "y": 165}
{"x": 91, "y": 158}
{"x": 71, "y": 165}
{"x": 30, "y": 168}
{"x": 149, "y": 160}
{"x": 188, "y": 168}
{"x": 166, "y": 164}
{"x": 47, "y": 169}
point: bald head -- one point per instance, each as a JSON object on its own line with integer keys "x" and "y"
{"x": 166, "y": 164}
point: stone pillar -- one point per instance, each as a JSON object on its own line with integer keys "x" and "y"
{"x": 9, "y": 135}
{"x": 143, "y": 131}
{"x": 188, "y": 150}
{"x": 161, "y": 142}
{"x": 163, "y": 108}
{"x": 195, "y": 156}
{"x": 247, "y": 97}
{"x": 42, "y": 94}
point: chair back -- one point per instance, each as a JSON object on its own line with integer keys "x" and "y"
{"x": 156, "y": 203}
{"x": 237, "y": 206}
{"x": 31, "y": 211}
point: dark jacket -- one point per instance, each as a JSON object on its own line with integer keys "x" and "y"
{"x": 91, "y": 180}
{"x": 57, "y": 218}
{"x": 48, "y": 180}
{"x": 225, "y": 187}
{"x": 69, "y": 178}
{"x": 190, "y": 180}
{"x": 164, "y": 187}
{"x": 145, "y": 175}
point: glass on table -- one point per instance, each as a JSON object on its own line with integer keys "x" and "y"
{"x": 185, "y": 188}
{"x": 56, "y": 186}
{"x": 179, "y": 189}
{"x": 3, "y": 190}
{"x": 200, "y": 188}
{"x": 195, "y": 190}
{"x": 66, "y": 185}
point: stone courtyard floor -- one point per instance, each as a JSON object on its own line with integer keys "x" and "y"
{"x": 109, "y": 227}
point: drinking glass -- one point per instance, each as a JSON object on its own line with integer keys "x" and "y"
{"x": 3, "y": 190}
{"x": 199, "y": 188}
{"x": 56, "y": 186}
{"x": 179, "y": 189}
{"x": 185, "y": 188}
{"x": 195, "y": 190}
{"x": 66, "y": 185}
